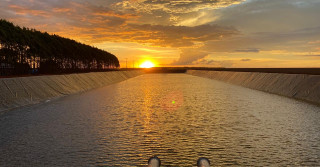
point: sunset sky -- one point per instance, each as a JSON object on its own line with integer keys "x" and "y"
{"x": 211, "y": 33}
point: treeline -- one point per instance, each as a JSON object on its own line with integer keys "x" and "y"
{"x": 24, "y": 51}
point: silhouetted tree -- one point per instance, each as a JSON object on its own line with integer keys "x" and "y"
{"x": 23, "y": 49}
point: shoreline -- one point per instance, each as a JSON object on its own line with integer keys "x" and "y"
{"x": 22, "y": 91}
{"x": 303, "y": 87}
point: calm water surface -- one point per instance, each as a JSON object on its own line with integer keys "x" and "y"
{"x": 175, "y": 116}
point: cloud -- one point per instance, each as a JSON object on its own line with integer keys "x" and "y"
{"x": 69, "y": 13}
{"x": 311, "y": 55}
{"x": 270, "y": 15}
{"x": 172, "y": 12}
{"x": 20, "y": 10}
{"x": 159, "y": 35}
{"x": 99, "y": 23}
{"x": 188, "y": 56}
{"x": 195, "y": 28}
{"x": 267, "y": 25}
{"x": 174, "y": 6}
{"x": 253, "y": 50}
{"x": 177, "y": 36}
{"x": 296, "y": 40}
{"x": 205, "y": 62}
{"x": 214, "y": 63}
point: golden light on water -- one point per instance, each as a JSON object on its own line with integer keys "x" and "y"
{"x": 147, "y": 64}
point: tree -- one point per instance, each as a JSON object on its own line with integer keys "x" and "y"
{"x": 25, "y": 48}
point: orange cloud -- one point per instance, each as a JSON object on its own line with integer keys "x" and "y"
{"x": 24, "y": 11}
{"x": 113, "y": 14}
{"x": 174, "y": 6}
{"x": 61, "y": 10}
{"x": 157, "y": 24}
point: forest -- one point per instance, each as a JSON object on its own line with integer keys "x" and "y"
{"x": 28, "y": 51}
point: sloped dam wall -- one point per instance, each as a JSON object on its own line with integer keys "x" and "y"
{"x": 299, "y": 86}
{"x": 21, "y": 91}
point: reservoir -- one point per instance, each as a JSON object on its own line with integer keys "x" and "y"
{"x": 177, "y": 117}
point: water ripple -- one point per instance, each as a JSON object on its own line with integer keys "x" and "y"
{"x": 177, "y": 117}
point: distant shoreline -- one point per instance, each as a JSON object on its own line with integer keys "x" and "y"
{"x": 308, "y": 71}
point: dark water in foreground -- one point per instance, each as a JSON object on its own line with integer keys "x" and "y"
{"x": 175, "y": 116}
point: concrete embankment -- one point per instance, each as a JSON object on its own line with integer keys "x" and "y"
{"x": 299, "y": 86}
{"x": 17, "y": 92}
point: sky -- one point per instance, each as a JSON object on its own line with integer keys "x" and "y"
{"x": 202, "y": 33}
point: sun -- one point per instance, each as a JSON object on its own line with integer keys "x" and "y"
{"x": 147, "y": 64}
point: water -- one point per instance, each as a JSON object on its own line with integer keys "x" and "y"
{"x": 175, "y": 116}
